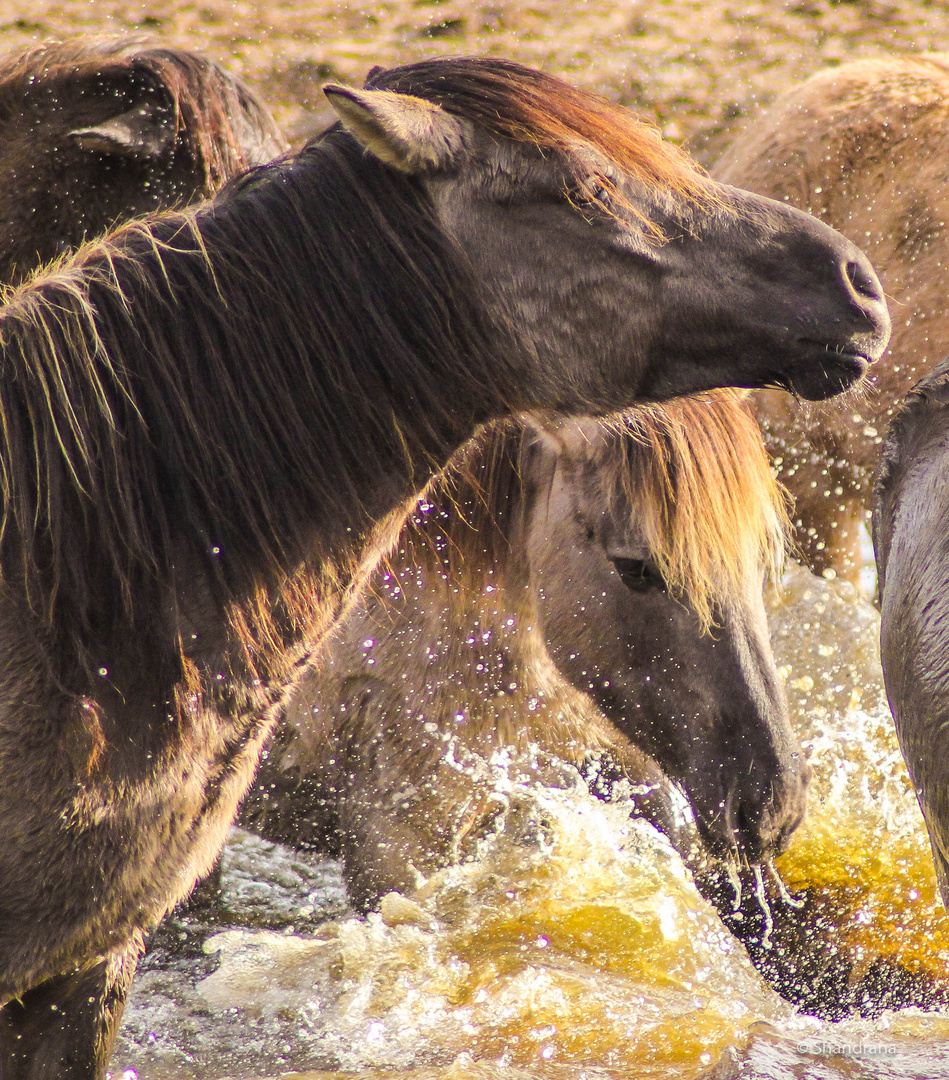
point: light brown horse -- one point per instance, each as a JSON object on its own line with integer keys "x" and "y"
{"x": 865, "y": 148}
{"x": 593, "y": 595}
{"x": 98, "y": 131}
{"x": 214, "y": 421}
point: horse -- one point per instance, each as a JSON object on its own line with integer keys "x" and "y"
{"x": 214, "y": 421}
{"x": 583, "y": 602}
{"x": 909, "y": 524}
{"x": 102, "y": 130}
{"x": 592, "y": 595}
{"x": 863, "y": 147}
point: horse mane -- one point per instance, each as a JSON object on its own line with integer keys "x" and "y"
{"x": 527, "y": 105}
{"x": 212, "y": 110}
{"x": 165, "y": 389}
{"x": 698, "y": 478}
{"x": 465, "y": 525}
{"x": 694, "y": 473}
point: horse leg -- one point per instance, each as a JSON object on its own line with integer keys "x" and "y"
{"x": 64, "y": 1029}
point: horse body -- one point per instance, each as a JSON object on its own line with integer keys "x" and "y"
{"x": 910, "y": 512}
{"x": 538, "y": 549}
{"x": 99, "y": 131}
{"x": 214, "y": 420}
{"x": 864, "y": 148}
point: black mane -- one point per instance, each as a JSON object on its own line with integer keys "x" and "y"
{"x": 169, "y": 387}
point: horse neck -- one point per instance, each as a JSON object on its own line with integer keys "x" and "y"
{"x": 262, "y": 381}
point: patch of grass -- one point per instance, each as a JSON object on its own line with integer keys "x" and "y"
{"x": 27, "y": 25}
{"x": 448, "y": 28}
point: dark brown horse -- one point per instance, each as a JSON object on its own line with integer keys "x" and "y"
{"x": 94, "y": 132}
{"x": 634, "y": 552}
{"x": 213, "y": 422}
{"x": 864, "y": 148}
{"x": 910, "y": 519}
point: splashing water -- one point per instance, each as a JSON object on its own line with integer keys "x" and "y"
{"x": 580, "y": 948}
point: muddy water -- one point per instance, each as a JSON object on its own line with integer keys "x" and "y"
{"x": 587, "y": 953}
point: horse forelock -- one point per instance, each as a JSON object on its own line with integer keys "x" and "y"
{"x": 693, "y": 475}
{"x": 531, "y": 106}
{"x": 698, "y": 483}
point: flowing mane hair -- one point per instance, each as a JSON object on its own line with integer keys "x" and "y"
{"x": 163, "y": 391}
{"x": 693, "y": 472}
{"x": 697, "y": 476}
{"x": 530, "y": 106}
{"x": 212, "y": 110}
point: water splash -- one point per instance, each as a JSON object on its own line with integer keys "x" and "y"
{"x": 581, "y": 950}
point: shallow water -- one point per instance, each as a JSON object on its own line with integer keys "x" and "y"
{"x": 587, "y": 954}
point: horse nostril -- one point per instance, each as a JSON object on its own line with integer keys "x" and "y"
{"x": 864, "y": 280}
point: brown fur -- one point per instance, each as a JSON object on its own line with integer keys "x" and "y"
{"x": 94, "y": 131}
{"x": 865, "y": 147}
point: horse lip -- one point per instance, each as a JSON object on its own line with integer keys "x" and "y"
{"x": 837, "y": 369}
{"x": 748, "y": 835}
{"x": 843, "y": 353}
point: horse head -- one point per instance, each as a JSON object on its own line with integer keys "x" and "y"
{"x": 100, "y": 130}
{"x": 649, "y": 544}
{"x": 678, "y": 281}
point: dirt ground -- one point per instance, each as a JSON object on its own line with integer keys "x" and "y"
{"x": 696, "y": 67}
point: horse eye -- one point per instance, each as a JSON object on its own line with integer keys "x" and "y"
{"x": 639, "y": 575}
{"x": 588, "y": 192}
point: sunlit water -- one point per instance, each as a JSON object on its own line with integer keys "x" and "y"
{"x": 587, "y": 955}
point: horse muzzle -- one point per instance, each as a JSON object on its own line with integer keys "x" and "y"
{"x": 750, "y": 819}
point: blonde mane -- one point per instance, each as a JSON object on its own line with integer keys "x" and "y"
{"x": 697, "y": 477}
{"x": 693, "y": 472}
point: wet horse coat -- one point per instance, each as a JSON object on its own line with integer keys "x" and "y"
{"x": 631, "y": 553}
{"x": 213, "y": 422}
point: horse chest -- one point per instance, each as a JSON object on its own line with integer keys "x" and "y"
{"x": 124, "y": 812}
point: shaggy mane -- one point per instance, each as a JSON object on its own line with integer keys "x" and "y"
{"x": 162, "y": 393}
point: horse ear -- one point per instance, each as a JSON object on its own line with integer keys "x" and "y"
{"x": 410, "y": 133}
{"x": 145, "y": 131}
